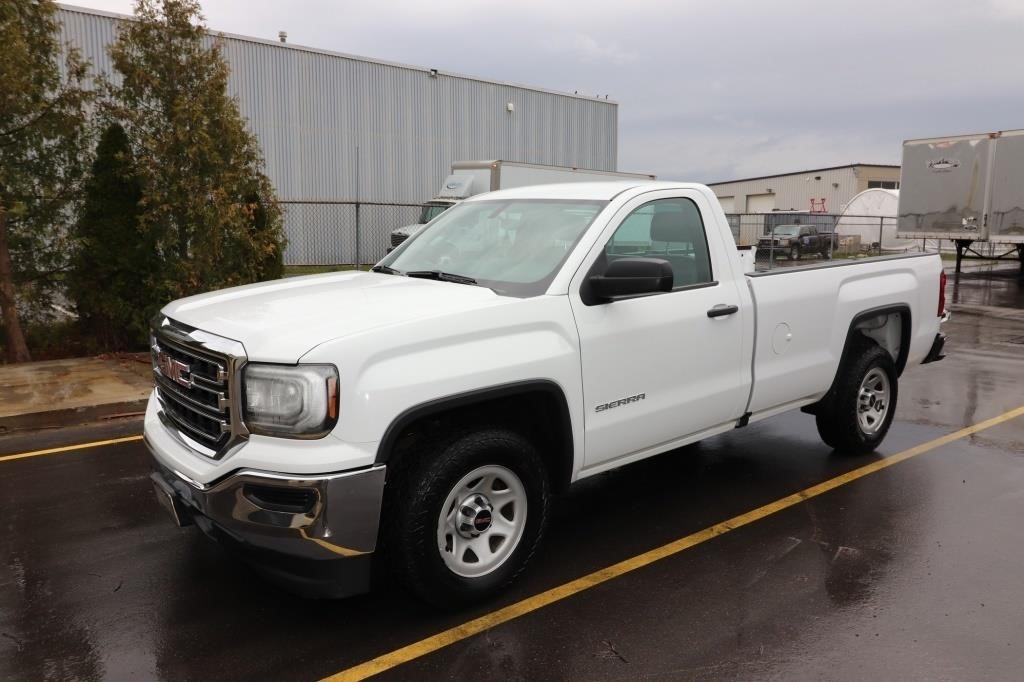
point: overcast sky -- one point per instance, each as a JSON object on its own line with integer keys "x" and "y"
{"x": 707, "y": 90}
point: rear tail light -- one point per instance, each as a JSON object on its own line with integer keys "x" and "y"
{"x": 942, "y": 293}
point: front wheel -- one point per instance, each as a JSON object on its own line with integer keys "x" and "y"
{"x": 857, "y": 416}
{"x": 469, "y": 517}
{"x": 794, "y": 253}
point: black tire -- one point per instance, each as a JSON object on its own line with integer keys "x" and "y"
{"x": 838, "y": 417}
{"x": 421, "y": 490}
{"x": 794, "y": 253}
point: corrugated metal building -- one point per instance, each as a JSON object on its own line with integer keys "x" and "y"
{"x": 341, "y": 128}
{"x": 830, "y": 189}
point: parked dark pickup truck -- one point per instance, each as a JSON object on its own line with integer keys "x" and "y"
{"x": 795, "y": 241}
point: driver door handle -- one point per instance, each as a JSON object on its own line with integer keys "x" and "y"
{"x": 722, "y": 309}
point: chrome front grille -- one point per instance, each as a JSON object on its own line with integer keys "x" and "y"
{"x": 196, "y": 386}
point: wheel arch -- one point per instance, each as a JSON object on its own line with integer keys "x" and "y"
{"x": 856, "y": 331}
{"x": 539, "y": 405}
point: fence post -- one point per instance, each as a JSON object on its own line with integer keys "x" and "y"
{"x": 881, "y": 227}
{"x": 359, "y": 261}
{"x": 833, "y": 238}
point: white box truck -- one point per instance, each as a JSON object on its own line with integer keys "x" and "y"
{"x": 966, "y": 189}
{"x": 476, "y": 177}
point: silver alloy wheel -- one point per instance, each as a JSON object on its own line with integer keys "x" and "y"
{"x": 482, "y": 521}
{"x": 873, "y": 400}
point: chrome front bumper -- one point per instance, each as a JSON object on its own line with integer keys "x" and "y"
{"x": 311, "y": 517}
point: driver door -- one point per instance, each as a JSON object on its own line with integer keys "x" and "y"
{"x": 657, "y": 368}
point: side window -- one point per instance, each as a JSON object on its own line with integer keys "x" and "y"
{"x": 670, "y": 229}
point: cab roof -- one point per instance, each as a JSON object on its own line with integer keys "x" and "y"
{"x": 594, "y": 191}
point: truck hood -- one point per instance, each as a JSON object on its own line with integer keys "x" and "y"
{"x": 280, "y": 321}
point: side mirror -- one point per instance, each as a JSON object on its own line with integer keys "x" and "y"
{"x": 632, "y": 277}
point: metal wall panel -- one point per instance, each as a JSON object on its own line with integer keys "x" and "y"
{"x": 794, "y": 192}
{"x": 312, "y": 110}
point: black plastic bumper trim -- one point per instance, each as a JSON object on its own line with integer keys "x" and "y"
{"x": 935, "y": 354}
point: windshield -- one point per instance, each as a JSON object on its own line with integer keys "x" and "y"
{"x": 787, "y": 230}
{"x": 514, "y": 247}
{"x": 431, "y": 211}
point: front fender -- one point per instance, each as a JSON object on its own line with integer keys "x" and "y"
{"x": 389, "y": 371}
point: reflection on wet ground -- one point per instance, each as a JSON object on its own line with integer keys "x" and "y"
{"x": 911, "y": 572}
{"x": 992, "y": 285}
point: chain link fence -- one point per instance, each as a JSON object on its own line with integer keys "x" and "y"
{"x": 782, "y": 239}
{"x": 342, "y": 232}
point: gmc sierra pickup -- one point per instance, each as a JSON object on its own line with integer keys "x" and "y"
{"x": 426, "y": 412}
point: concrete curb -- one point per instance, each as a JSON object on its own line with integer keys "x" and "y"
{"x": 73, "y": 391}
{"x": 50, "y": 419}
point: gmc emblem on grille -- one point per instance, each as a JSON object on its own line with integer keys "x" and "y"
{"x": 174, "y": 370}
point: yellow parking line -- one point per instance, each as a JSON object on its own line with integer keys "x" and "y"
{"x": 69, "y": 448}
{"x": 521, "y": 608}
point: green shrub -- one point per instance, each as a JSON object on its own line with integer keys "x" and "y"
{"x": 116, "y": 256}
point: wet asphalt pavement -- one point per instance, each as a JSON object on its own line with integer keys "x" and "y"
{"x": 913, "y": 572}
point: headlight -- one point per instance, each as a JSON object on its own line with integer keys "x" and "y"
{"x": 298, "y": 401}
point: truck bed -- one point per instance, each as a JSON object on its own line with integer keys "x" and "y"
{"x": 805, "y": 312}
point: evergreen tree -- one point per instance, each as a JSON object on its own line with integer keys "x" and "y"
{"x": 209, "y": 207}
{"x": 43, "y": 145}
{"x": 115, "y": 258}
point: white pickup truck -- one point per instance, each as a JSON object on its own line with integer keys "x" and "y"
{"x": 426, "y": 412}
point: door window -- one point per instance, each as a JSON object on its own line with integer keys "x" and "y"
{"x": 670, "y": 229}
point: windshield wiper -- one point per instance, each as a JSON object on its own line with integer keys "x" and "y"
{"x": 384, "y": 269}
{"x": 440, "y": 276}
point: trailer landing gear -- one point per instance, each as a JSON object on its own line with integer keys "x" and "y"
{"x": 961, "y": 246}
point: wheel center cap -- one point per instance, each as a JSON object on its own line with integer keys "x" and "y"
{"x": 475, "y": 516}
{"x": 482, "y": 521}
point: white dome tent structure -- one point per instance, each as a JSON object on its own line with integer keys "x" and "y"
{"x": 872, "y": 216}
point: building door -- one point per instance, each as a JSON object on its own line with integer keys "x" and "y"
{"x": 760, "y": 203}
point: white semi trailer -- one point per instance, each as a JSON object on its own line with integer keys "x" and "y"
{"x": 965, "y": 189}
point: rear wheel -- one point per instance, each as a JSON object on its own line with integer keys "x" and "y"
{"x": 856, "y": 417}
{"x": 469, "y": 517}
